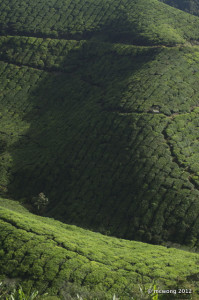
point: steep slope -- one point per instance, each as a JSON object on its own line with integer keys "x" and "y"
{"x": 108, "y": 131}
{"x": 99, "y": 133}
{"x": 190, "y": 6}
{"x": 61, "y": 259}
{"x": 137, "y": 21}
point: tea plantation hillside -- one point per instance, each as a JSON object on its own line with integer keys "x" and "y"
{"x": 107, "y": 131}
{"x": 130, "y": 21}
{"x": 60, "y": 259}
{"x": 191, "y": 6}
{"x": 103, "y": 119}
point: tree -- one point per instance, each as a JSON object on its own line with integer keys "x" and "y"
{"x": 40, "y": 202}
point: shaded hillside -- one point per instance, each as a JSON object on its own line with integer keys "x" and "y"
{"x": 99, "y": 132}
{"x": 66, "y": 260}
{"x": 190, "y": 6}
{"x": 108, "y": 131}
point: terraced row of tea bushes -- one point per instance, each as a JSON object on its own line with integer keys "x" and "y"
{"x": 190, "y": 6}
{"x": 39, "y": 52}
{"x": 58, "y": 54}
{"x": 16, "y": 85}
{"x": 49, "y": 255}
{"x": 102, "y": 165}
{"x": 168, "y": 80}
{"x": 183, "y": 136}
{"x": 129, "y": 21}
{"x": 168, "y": 83}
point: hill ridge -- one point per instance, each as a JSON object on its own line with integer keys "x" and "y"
{"x": 124, "y": 20}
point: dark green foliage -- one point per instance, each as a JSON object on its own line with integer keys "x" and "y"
{"x": 99, "y": 110}
{"x": 107, "y": 130}
{"x": 91, "y": 131}
{"x": 191, "y": 6}
{"x": 3, "y": 144}
{"x": 129, "y": 21}
{"x": 185, "y": 142}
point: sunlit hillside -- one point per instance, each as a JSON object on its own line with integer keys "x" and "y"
{"x": 65, "y": 260}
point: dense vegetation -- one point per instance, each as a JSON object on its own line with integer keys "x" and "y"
{"x": 148, "y": 22}
{"x": 62, "y": 259}
{"x": 99, "y": 116}
{"x": 190, "y": 6}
